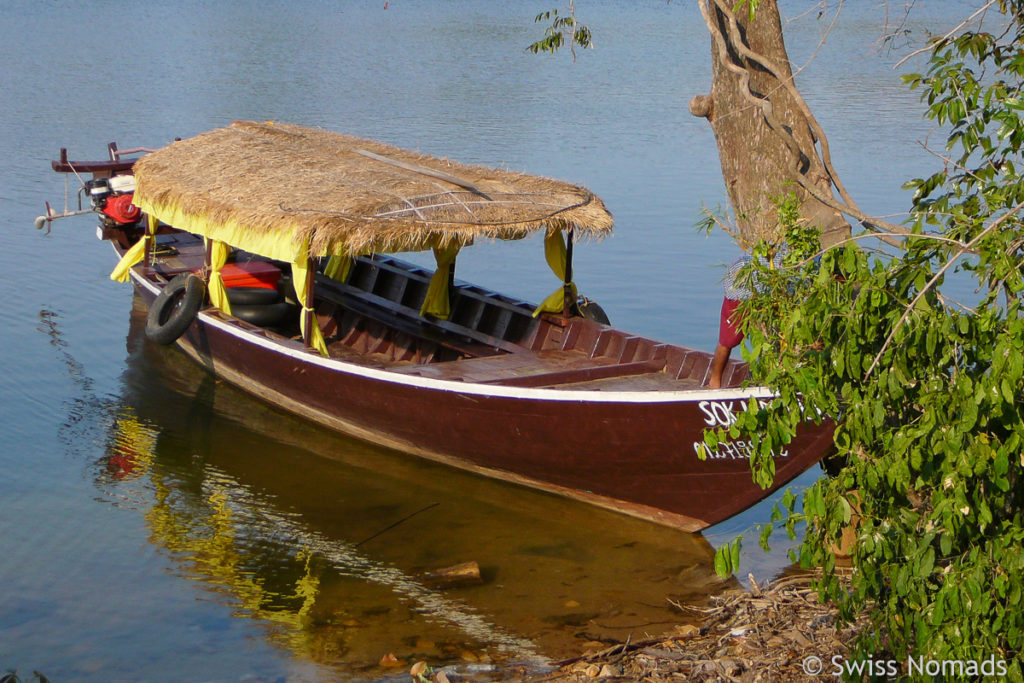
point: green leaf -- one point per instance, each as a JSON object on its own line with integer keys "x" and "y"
{"x": 722, "y": 562}
{"x": 927, "y": 563}
{"x": 847, "y": 510}
{"x": 1016, "y": 363}
{"x": 765, "y": 534}
{"x": 727, "y": 559}
{"x": 1007, "y": 390}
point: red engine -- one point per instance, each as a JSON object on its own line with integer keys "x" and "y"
{"x": 120, "y": 208}
{"x": 112, "y": 197}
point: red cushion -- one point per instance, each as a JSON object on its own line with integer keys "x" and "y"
{"x": 251, "y": 274}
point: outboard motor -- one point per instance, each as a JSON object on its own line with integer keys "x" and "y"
{"x": 112, "y": 197}
{"x": 99, "y": 190}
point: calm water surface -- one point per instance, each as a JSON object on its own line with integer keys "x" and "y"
{"x": 158, "y": 525}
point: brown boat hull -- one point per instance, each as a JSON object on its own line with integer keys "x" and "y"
{"x": 633, "y": 452}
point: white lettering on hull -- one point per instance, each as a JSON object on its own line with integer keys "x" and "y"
{"x": 734, "y": 450}
{"x": 723, "y": 414}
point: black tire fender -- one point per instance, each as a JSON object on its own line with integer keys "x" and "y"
{"x": 174, "y": 308}
{"x": 252, "y": 296}
{"x": 286, "y": 288}
{"x": 267, "y": 315}
{"x": 591, "y": 310}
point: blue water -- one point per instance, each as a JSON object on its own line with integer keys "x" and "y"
{"x": 230, "y": 548}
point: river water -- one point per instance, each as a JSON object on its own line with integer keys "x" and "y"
{"x": 158, "y": 525}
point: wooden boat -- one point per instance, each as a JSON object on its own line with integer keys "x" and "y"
{"x": 329, "y": 325}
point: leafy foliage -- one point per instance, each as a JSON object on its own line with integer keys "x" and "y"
{"x": 927, "y": 392}
{"x": 563, "y": 28}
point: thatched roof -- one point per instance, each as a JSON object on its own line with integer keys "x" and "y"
{"x": 267, "y": 182}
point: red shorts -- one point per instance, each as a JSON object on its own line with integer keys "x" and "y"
{"x": 729, "y": 334}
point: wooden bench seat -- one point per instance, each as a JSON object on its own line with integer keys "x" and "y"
{"x": 652, "y": 381}
{"x": 533, "y": 369}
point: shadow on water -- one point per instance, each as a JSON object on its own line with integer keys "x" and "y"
{"x": 324, "y": 541}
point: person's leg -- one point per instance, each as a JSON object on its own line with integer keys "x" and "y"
{"x": 718, "y": 366}
{"x": 729, "y": 337}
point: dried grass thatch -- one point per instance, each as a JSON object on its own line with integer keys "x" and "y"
{"x": 342, "y": 194}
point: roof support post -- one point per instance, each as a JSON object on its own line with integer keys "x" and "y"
{"x": 451, "y": 284}
{"x": 308, "y": 320}
{"x": 217, "y": 253}
{"x": 207, "y": 259}
{"x": 558, "y": 254}
{"x": 304, "y": 280}
{"x": 438, "y": 300}
{"x": 149, "y": 237}
{"x": 567, "y": 288}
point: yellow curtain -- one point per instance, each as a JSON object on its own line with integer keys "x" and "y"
{"x": 338, "y": 267}
{"x": 122, "y": 271}
{"x": 555, "y": 254}
{"x": 437, "y": 301}
{"x": 275, "y": 244}
{"x": 300, "y": 271}
{"x": 218, "y": 292}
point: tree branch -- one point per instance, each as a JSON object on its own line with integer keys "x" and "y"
{"x": 931, "y": 283}
{"x": 949, "y": 34}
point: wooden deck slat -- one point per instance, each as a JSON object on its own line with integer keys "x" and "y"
{"x": 656, "y": 381}
{"x": 502, "y": 366}
{"x": 543, "y": 368}
{"x": 584, "y": 374}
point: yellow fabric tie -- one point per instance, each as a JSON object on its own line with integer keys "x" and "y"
{"x": 218, "y": 291}
{"x": 555, "y": 254}
{"x": 300, "y": 271}
{"x": 437, "y": 301}
{"x": 122, "y": 271}
{"x": 338, "y": 267}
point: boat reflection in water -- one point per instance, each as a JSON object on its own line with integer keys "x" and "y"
{"x": 325, "y": 540}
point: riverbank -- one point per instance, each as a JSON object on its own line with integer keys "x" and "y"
{"x": 775, "y": 631}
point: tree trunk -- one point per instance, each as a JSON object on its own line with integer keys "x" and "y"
{"x": 764, "y": 135}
